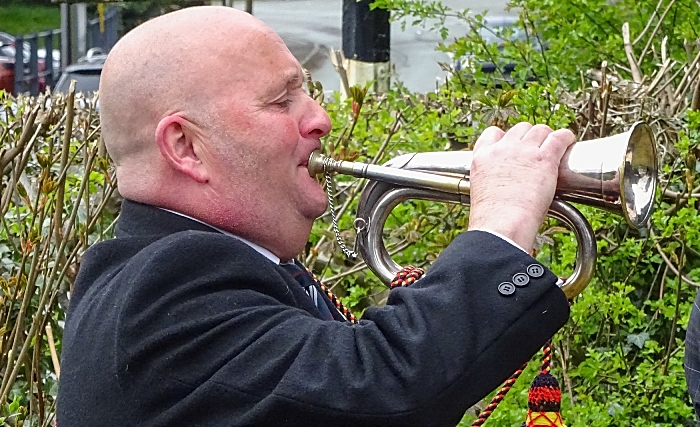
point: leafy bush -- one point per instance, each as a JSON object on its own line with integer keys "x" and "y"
{"x": 55, "y": 187}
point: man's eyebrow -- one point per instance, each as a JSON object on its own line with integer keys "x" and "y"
{"x": 293, "y": 76}
{"x": 290, "y": 78}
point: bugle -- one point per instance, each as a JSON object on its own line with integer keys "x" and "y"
{"x": 617, "y": 173}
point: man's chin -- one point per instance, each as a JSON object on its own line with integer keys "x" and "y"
{"x": 319, "y": 210}
{"x": 317, "y": 202}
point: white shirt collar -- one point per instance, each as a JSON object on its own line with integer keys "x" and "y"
{"x": 264, "y": 252}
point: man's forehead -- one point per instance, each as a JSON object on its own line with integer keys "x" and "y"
{"x": 265, "y": 48}
{"x": 281, "y": 69}
{"x": 259, "y": 64}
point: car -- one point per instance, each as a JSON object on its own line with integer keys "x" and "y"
{"x": 7, "y": 61}
{"x": 7, "y": 74}
{"x": 8, "y": 39}
{"x": 86, "y": 73}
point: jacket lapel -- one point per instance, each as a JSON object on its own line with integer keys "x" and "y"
{"x": 138, "y": 219}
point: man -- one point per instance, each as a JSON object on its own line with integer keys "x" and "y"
{"x": 187, "y": 317}
{"x": 692, "y": 357}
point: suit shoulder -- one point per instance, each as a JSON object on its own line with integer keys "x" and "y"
{"x": 199, "y": 246}
{"x": 161, "y": 262}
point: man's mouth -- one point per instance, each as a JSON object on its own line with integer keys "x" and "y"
{"x": 305, "y": 161}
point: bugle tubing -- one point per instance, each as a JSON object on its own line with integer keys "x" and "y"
{"x": 617, "y": 173}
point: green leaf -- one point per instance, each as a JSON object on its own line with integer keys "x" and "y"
{"x": 638, "y": 339}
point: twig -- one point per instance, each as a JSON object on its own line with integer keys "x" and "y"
{"x": 653, "y": 281}
{"x": 695, "y": 102}
{"x": 9, "y": 379}
{"x": 649, "y": 21}
{"x": 629, "y": 51}
{"x": 338, "y": 61}
{"x": 656, "y": 29}
{"x": 673, "y": 268}
{"x": 680, "y": 201}
{"x": 604, "y": 98}
{"x": 24, "y": 138}
{"x": 667, "y": 82}
{"x": 23, "y": 142}
{"x": 677, "y": 194}
{"x": 690, "y": 71}
{"x": 664, "y": 371}
{"x": 67, "y": 136}
{"x": 52, "y": 349}
{"x": 565, "y": 374}
{"x": 682, "y": 90}
{"x": 10, "y": 374}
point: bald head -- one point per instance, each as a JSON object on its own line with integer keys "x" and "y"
{"x": 204, "y": 112}
{"x": 175, "y": 63}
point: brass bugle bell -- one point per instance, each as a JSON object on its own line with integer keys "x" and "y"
{"x": 617, "y": 173}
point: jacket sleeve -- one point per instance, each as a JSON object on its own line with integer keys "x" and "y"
{"x": 224, "y": 338}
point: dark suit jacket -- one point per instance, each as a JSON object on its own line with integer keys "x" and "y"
{"x": 175, "y": 324}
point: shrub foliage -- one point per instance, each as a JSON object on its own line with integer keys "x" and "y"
{"x": 55, "y": 186}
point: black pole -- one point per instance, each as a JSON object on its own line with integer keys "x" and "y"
{"x": 48, "y": 60}
{"x": 366, "y": 46}
{"x": 19, "y": 65}
{"x": 33, "y": 64}
{"x": 66, "y": 37}
{"x": 366, "y": 33}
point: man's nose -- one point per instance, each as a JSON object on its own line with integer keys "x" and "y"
{"x": 316, "y": 122}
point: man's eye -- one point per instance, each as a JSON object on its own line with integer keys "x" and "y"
{"x": 284, "y": 104}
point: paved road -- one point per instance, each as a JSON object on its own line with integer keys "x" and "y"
{"x": 312, "y": 27}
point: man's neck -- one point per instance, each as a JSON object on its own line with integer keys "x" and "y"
{"x": 266, "y": 253}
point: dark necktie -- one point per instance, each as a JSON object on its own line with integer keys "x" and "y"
{"x": 306, "y": 280}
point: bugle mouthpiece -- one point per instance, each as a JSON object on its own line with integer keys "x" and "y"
{"x": 316, "y": 164}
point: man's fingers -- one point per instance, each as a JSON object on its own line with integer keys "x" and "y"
{"x": 558, "y": 141}
{"x": 489, "y": 136}
{"x": 537, "y": 134}
{"x": 518, "y": 131}
{"x": 541, "y": 135}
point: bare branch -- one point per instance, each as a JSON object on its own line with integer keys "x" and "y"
{"x": 653, "y": 33}
{"x": 629, "y": 51}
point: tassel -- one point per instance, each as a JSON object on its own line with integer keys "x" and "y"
{"x": 544, "y": 397}
{"x": 544, "y": 402}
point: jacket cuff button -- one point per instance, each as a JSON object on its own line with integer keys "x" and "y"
{"x": 535, "y": 270}
{"x": 521, "y": 279}
{"x": 506, "y": 289}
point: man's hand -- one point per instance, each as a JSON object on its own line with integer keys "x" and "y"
{"x": 513, "y": 179}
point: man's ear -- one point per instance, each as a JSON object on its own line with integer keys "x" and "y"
{"x": 179, "y": 142}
